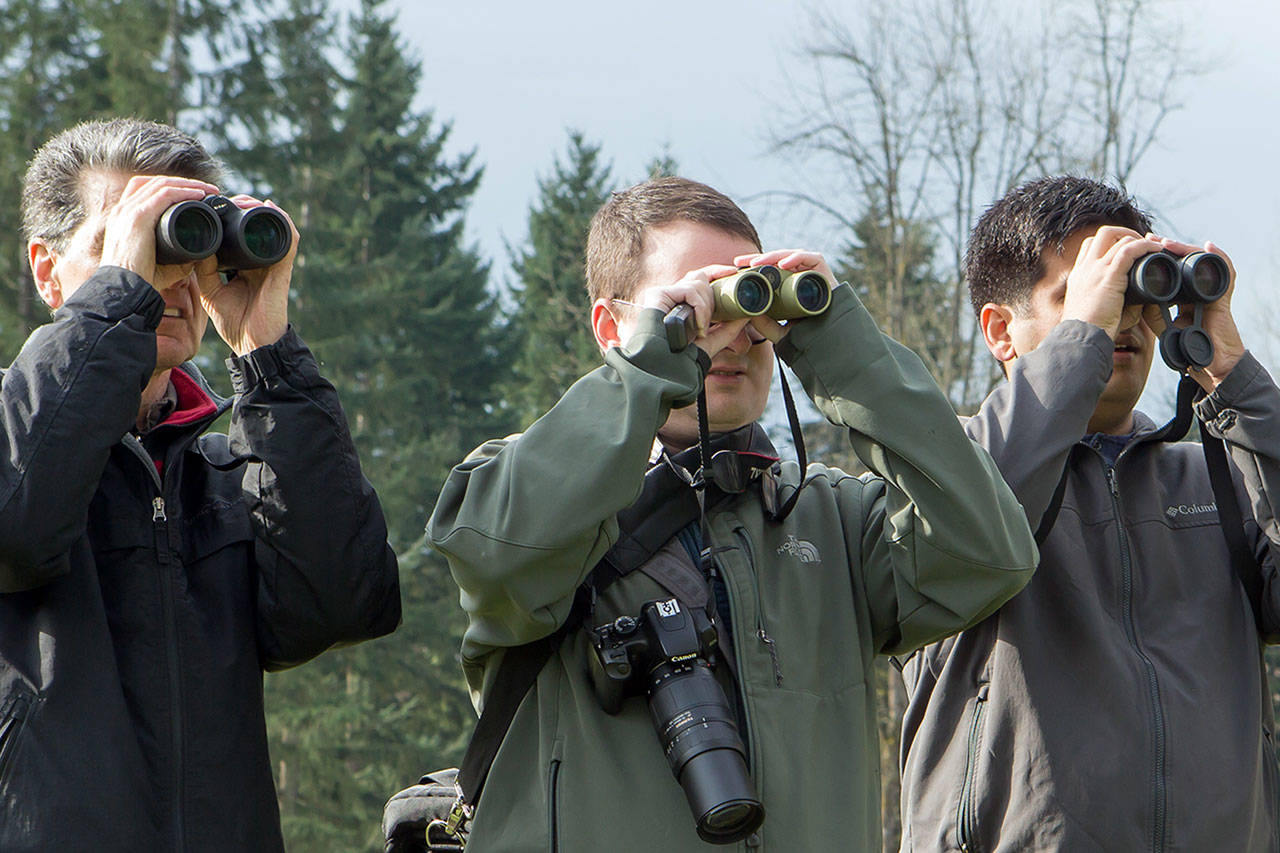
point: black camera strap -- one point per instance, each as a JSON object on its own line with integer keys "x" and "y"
{"x": 1230, "y": 519}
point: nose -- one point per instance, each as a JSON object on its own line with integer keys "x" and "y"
{"x": 741, "y": 343}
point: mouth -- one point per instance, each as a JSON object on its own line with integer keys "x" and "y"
{"x": 171, "y": 311}
{"x": 726, "y": 372}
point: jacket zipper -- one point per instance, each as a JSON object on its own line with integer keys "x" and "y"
{"x": 160, "y": 524}
{"x": 762, "y": 634}
{"x": 553, "y": 803}
{"x": 967, "y": 811}
{"x": 13, "y": 719}
{"x": 1158, "y": 783}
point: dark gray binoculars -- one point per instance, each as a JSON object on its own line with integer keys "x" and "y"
{"x": 1161, "y": 277}
{"x": 242, "y": 238}
{"x": 751, "y": 292}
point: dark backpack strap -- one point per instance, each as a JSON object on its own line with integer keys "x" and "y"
{"x": 516, "y": 676}
{"x": 1232, "y": 521}
{"x": 1055, "y": 505}
{"x": 1175, "y": 430}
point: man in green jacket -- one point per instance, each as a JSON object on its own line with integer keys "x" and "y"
{"x": 800, "y": 604}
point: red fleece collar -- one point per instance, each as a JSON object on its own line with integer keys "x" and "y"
{"x": 193, "y": 402}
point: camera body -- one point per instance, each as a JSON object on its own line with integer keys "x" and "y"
{"x": 666, "y": 654}
{"x": 242, "y": 238}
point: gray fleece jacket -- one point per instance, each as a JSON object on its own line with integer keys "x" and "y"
{"x": 1118, "y": 702}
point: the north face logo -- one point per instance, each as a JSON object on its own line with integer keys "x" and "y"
{"x": 802, "y": 549}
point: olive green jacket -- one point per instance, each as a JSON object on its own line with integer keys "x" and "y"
{"x": 863, "y": 566}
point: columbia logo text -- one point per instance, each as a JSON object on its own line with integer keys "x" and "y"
{"x": 1189, "y": 509}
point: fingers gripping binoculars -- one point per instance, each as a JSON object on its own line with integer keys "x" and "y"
{"x": 1164, "y": 279}
{"x": 242, "y": 238}
{"x": 752, "y": 292}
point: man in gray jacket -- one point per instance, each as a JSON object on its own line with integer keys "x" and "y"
{"x": 1119, "y": 701}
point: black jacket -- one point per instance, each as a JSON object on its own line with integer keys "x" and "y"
{"x": 137, "y": 611}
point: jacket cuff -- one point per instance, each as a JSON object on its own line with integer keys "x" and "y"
{"x": 1243, "y": 388}
{"x": 804, "y": 333}
{"x": 114, "y": 293}
{"x": 648, "y": 350}
{"x": 256, "y": 366}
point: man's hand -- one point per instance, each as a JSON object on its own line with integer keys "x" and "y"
{"x": 1217, "y": 322}
{"x": 791, "y": 260}
{"x": 129, "y": 231}
{"x": 1097, "y": 282}
{"x": 695, "y": 291}
{"x": 252, "y": 309}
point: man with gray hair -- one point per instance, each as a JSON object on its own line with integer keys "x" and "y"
{"x": 149, "y": 573}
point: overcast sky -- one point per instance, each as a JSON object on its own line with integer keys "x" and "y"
{"x": 701, "y": 77}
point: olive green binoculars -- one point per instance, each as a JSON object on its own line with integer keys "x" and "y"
{"x": 752, "y": 292}
{"x": 242, "y": 238}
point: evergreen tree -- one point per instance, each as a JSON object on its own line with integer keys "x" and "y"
{"x": 550, "y": 320}
{"x": 395, "y": 305}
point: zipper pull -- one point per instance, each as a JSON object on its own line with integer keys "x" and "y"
{"x": 157, "y": 509}
{"x": 1111, "y": 482}
{"x": 773, "y": 654}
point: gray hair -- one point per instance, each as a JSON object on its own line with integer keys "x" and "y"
{"x": 52, "y": 204}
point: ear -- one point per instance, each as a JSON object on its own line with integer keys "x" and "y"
{"x": 995, "y": 320}
{"x": 43, "y": 260}
{"x": 604, "y": 325}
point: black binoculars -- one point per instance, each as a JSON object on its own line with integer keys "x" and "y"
{"x": 1164, "y": 279}
{"x": 753, "y": 291}
{"x": 1161, "y": 277}
{"x": 242, "y": 238}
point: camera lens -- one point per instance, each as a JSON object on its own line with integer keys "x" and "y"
{"x": 700, "y": 738}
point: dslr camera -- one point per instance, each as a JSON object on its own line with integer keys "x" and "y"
{"x": 665, "y": 653}
{"x": 242, "y": 238}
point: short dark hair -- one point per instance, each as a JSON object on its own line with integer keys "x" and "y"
{"x": 1005, "y": 257}
{"x": 52, "y": 200}
{"x": 615, "y": 242}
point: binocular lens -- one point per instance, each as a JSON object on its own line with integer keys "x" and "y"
{"x": 753, "y": 294}
{"x": 265, "y": 235}
{"x": 811, "y": 293}
{"x": 187, "y": 231}
{"x": 1157, "y": 277}
{"x": 1207, "y": 276}
{"x": 195, "y": 230}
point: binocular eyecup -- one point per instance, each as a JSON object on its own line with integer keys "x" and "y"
{"x": 752, "y": 292}
{"x": 242, "y": 238}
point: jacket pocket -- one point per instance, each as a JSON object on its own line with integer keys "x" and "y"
{"x": 13, "y": 719}
{"x": 553, "y": 804}
{"x": 967, "y": 809}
